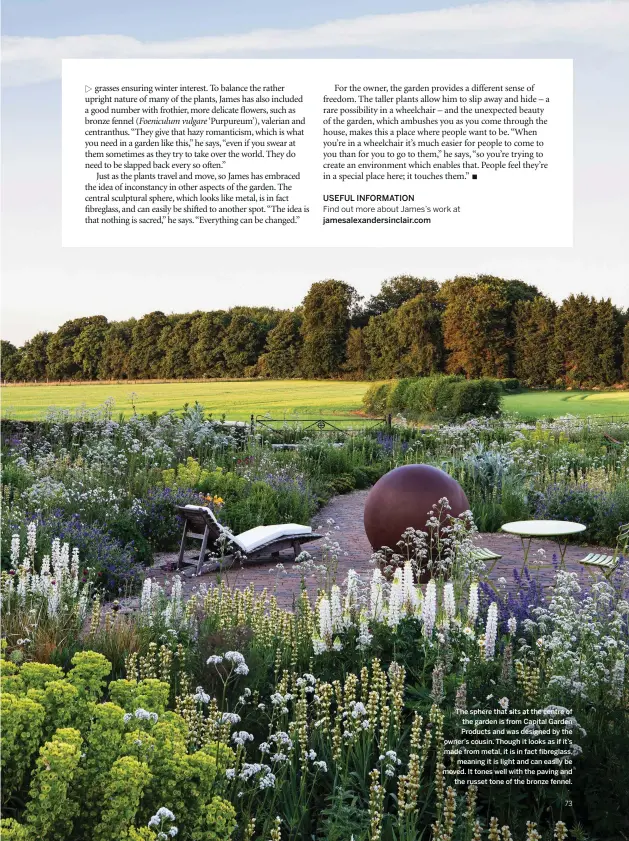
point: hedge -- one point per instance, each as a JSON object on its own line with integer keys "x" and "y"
{"x": 444, "y": 397}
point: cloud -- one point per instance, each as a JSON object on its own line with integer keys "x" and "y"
{"x": 494, "y": 24}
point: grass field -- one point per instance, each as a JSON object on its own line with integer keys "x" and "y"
{"x": 541, "y": 404}
{"x": 239, "y": 399}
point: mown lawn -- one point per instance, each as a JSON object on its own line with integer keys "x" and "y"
{"x": 556, "y": 403}
{"x": 306, "y": 398}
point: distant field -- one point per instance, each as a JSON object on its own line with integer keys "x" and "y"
{"x": 237, "y": 399}
{"x": 306, "y": 398}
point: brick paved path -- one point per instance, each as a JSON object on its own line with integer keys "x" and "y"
{"x": 347, "y": 513}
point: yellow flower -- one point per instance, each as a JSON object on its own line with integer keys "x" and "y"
{"x": 214, "y": 500}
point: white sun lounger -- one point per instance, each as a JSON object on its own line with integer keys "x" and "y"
{"x": 261, "y": 541}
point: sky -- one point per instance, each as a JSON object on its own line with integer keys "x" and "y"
{"x": 44, "y": 285}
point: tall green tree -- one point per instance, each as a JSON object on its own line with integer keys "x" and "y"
{"x": 420, "y": 334}
{"x": 34, "y": 358}
{"x": 625, "y": 354}
{"x": 516, "y": 292}
{"x": 9, "y": 361}
{"x": 608, "y": 338}
{"x": 326, "y": 321}
{"x": 476, "y": 326}
{"x": 145, "y": 355}
{"x": 243, "y": 342}
{"x": 380, "y": 338}
{"x": 175, "y": 344}
{"x": 283, "y": 348}
{"x": 393, "y": 293}
{"x": 588, "y": 339}
{"x": 537, "y": 362}
{"x": 116, "y": 350}
{"x": 66, "y": 351}
{"x": 88, "y": 347}
{"x": 356, "y": 356}
{"x": 206, "y": 354}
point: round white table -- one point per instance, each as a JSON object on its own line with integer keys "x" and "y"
{"x": 557, "y": 530}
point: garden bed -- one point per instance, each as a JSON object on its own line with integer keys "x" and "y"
{"x": 323, "y": 707}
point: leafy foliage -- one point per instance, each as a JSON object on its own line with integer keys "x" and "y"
{"x": 435, "y": 397}
{"x": 482, "y": 326}
{"x": 106, "y": 773}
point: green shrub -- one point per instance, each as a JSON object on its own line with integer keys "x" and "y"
{"x": 89, "y": 672}
{"x": 475, "y": 397}
{"x": 366, "y": 475}
{"x": 341, "y": 484}
{"x": 434, "y": 396}
{"x": 509, "y": 384}
{"x": 38, "y": 675}
{"x": 107, "y": 768}
{"x": 11, "y": 830}
{"x": 103, "y": 745}
{"x": 10, "y": 680}
{"x": 124, "y": 787}
{"x": 376, "y": 398}
{"x": 217, "y": 821}
{"x": 51, "y": 810}
{"x": 440, "y": 396}
{"x": 397, "y": 396}
{"x": 150, "y": 694}
{"x": 22, "y": 730}
{"x": 141, "y": 834}
{"x": 601, "y": 511}
{"x": 63, "y": 704}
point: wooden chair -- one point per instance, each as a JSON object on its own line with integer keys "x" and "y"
{"x": 608, "y": 563}
{"x": 261, "y": 541}
{"x": 481, "y": 554}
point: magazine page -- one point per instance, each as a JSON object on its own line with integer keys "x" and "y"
{"x": 315, "y": 421}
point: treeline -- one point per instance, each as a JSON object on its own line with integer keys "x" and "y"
{"x": 481, "y": 326}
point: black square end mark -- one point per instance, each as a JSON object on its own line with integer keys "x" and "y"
{"x": 474, "y": 177}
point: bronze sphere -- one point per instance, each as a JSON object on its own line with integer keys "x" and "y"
{"x": 403, "y": 498}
